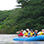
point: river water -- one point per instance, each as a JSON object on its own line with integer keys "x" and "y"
{"x": 8, "y": 39}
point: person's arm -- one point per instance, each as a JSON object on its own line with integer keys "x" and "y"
{"x": 17, "y": 32}
{"x": 38, "y": 33}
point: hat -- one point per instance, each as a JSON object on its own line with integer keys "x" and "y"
{"x": 27, "y": 29}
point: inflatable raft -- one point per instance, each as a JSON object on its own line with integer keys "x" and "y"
{"x": 35, "y": 38}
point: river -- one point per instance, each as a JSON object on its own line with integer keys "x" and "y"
{"x": 8, "y": 39}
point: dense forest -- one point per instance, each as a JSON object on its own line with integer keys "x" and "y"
{"x": 30, "y": 15}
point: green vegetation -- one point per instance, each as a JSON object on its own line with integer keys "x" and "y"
{"x": 30, "y": 15}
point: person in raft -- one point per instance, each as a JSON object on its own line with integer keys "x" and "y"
{"x": 20, "y": 33}
{"x": 26, "y": 33}
{"x": 36, "y": 33}
{"x": 41, "y": 32}
{"x": 30, "y": 33}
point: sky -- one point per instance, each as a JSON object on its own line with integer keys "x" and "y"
{"x": 8, "y": 4}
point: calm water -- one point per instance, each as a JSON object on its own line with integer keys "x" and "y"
{"x": 8, "y": 39}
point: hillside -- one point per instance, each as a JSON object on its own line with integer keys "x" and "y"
{"x": 31, "y": 15}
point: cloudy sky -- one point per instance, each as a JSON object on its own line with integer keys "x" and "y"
{"x": 8, "y": 4}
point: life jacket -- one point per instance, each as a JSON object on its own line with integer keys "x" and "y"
{"x": 41, "y": 33}
{"x": 21, "y": 34}
{"x": 31, "y": 34}
{"x": 26, "y": 33}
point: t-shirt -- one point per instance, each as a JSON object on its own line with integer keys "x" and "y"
{"x": 35, "y": 33}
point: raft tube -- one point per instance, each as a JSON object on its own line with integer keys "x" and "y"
{"x": 35, "y": 38}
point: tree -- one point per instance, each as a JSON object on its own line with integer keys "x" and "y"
{"x": 33, "y": 12}
{"x": 30, "y": 15}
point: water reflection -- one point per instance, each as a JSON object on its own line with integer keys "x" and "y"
{"x": 22, "y": 42}
{"x": 8, "y": 39}
{"x": 38, "y": 42}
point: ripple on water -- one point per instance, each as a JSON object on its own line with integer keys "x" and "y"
{"x": 8, "y": 39}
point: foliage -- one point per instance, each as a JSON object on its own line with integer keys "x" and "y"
{"x": 31, "y": 15}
